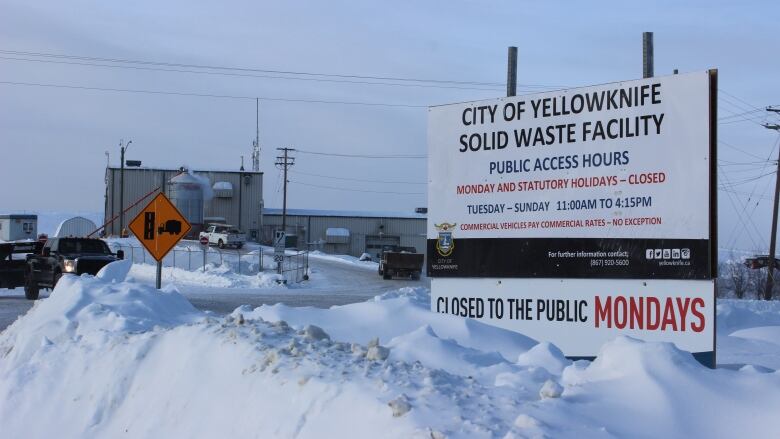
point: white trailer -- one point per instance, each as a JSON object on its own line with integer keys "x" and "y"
{"x": 17, "y": 227}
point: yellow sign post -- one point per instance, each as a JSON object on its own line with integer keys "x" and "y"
{"x": 159, "y": 226}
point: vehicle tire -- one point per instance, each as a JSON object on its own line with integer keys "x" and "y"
{"x": 221, "y": 244}
{"x": 416, "y": 275}
{"x": 380, "y": 271}
{"x": 386, "y": 277}
{"x": 238, "y": 246}
{"x": 31, "y": 289}
{"x": 57, "y": 276}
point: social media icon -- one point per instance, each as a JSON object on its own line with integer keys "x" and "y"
{"x": 649, "y": 253}
{"x": 657, "y": 253}
{"x": 685, "y": 253}
{"x": 675, "y": 253}
{"x": 667, "y": 253}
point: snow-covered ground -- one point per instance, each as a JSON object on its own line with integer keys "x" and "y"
{"x": 108, "y": 357}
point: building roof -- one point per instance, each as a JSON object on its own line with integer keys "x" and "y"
{"x": 18, "y": 216}
{"x": 147, "y": 168}
{"x": 345, "y": 213}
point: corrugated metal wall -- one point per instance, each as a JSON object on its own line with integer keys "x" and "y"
{"x": 243, "y": 209}
{"x": 310, "y": 229}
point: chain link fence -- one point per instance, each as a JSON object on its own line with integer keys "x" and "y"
{"x": 294, "y": 266}
{"x": 248, "y": 262}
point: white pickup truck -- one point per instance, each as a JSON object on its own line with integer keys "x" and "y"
{"x": 224, "y": 235}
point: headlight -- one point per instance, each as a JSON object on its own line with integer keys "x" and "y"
{"x": 69, "y": 265}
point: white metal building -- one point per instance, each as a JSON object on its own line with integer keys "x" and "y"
{"x": 76, "y": 226}
{"x": 233, "y": 197}
{"x": 347, "y": 232}
{"x": 15, "y": 227}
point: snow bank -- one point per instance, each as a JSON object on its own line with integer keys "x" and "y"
{"x": 735, "y": 314}
{"x": 115, "y": 271}
{"x": 748, "y": 333}
{"x": 93, "y": 308}
{"x": 344, "y": 259}
{"x": 396, "y": 314}
{"x": 651, "y": 390}
{"x": 106, "y": 358}
{"x": 215, "y": 276}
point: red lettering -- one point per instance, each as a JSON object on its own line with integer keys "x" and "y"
{"x": 700, "y": 302}
{"x": 683, "y": 305}
{"x": 604, "y": 313}
{"x": 637, "y": 315}
{"x": 669, "y": 315}
{"x": 653, "y": 323}
{"x": 621, "y": 313}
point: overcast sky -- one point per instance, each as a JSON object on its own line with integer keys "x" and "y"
{"x": 53, "y": 140}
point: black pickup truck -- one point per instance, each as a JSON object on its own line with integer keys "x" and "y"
{"x": 13, "y": 261}
{"x": 44, "y": 265}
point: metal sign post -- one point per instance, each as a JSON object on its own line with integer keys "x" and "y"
{"x": 204, "y": 244}
{"x": 159, "y": 226}
{"x": 279, "y": 244}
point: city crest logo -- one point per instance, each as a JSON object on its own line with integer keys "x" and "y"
{"x": 445, "y": 244}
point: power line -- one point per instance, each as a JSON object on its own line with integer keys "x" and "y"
{"x": 363, "y": 156}
{"x": 740, "y": 150}
{"x": 356, "y": 190}
{"x": 739, "y": 215}
{"x": 746, "y": 180}
{"x": 248, "y": 75}
{"x": 358, "y": 179}
{"x": 749, "y": 105}
{"x": 247, "y": 69}
{"x": 750, "y": 196}
{"x": 744, "y": 113}
{"x": 208, "y": 95}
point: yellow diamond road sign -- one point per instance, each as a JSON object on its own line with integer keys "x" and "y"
{"x": 159, "y": 226}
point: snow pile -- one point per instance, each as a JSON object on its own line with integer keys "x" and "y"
{"x": 738, "y": 314}
{"x": 345, "y": 259}
{"x": 215, "y": 276}
{"x": 637, "y": 389}
{"x": 397, "y": 314}
{"x": 106, "y": 358}
{"x": 115, "y": 271}
{"x": 749, "y": 332}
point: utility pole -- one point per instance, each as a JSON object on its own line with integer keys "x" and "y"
{"x": 284, "y": 162}
{"x": 647, "y": 54}
{"x": 256, "y": 143}
{"x": 122, "y": 149}
{"x": 770, "y": 277}
{"x": 511, "y": 72}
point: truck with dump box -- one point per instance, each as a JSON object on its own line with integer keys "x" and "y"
{"x": 400, "y": 261}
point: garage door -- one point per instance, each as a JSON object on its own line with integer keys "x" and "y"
{"x": 374, "y": 243}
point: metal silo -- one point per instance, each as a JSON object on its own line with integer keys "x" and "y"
{"x": 186, "y": 193}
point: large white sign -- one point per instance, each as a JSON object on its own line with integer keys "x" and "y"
{"x": 622, "y": 160}
{"x": 578, "y": 215}
{"x": 607, "y": 181}
{"x": 579, "y": 315}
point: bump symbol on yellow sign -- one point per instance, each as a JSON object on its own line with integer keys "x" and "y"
{"x": 159, "y": 226}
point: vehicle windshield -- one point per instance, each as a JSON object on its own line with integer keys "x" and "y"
{"x": 83, "y": 246}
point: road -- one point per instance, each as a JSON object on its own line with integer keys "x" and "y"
{"x": 332, "y": 283}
